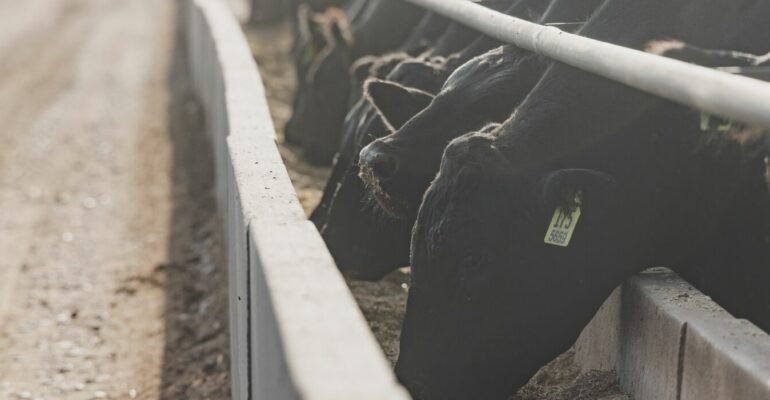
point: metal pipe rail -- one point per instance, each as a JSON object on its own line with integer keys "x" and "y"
{"x": 698, "y": 350}
{"x": 731, "y": 96}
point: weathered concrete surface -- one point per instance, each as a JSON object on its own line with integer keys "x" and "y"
{"x": 725, "y": 358}
{"x": 322, "y": 331}
{"x": 296, "y": 330}
{"x": 667, "y": 340}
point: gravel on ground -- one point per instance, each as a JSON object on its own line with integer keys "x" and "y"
{"x": 111, "y": 282}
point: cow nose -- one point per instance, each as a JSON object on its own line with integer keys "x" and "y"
{"x": 381, "y": 162}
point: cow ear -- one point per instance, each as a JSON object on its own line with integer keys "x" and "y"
{"x": 309, "y": 26}
{"x": 396, "y": 104}
{"x": 339, "y": 28}
{"x": 593, "y": 191}
{"x": 361, "y": 68}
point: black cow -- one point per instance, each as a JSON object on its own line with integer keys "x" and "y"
{"x": 362, "y": 117}
{"x": 311, "y": 34}
{"x": 315, "y": 124}
{"x": 338, "y": 222}
{"x": 368, "y": 244}
{"x": 490, "y": 302}
{"x": 318, "y": 35}
{"x": 400, "y": 166}
{"x": 321, "y": 101}
{"x": 351, "y": 228}
{"x": 365, "y": 243}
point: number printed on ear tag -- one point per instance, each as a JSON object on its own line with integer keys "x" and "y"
{"x": 562, "y": 226}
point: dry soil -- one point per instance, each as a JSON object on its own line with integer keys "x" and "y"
{"x": 111, "y": 282}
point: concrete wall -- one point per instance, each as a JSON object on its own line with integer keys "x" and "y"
{"x": 296, "y": 332}
{"x": 668, "y": 341}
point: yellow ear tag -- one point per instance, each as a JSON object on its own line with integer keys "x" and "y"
{"x": 562, "y": 226}
{"x": 709, "y": 122}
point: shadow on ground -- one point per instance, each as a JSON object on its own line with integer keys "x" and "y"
{"x": 196, "y": 357}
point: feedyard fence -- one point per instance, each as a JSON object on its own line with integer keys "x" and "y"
{"x": 296, "y": 332}
{"x": 660, "y": 347}
{"x": 716, "y": 92}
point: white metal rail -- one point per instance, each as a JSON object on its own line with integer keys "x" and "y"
{"x": 737, "y": 97}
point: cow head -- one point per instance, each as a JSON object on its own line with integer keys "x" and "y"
{"x": 314, "y": 34}
{"x": 395, "y": 105}
{"x": 490, "y": 301}
{"x": 400, "y": 166}
{"x": 322, "y": 98}
{"x": 364, "y": 242}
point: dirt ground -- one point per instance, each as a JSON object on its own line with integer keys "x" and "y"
{"x": 384, "y": 303}
{"x": 111, "y": 280}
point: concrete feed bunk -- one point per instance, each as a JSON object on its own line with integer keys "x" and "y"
{"x": 296, "y": 332}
